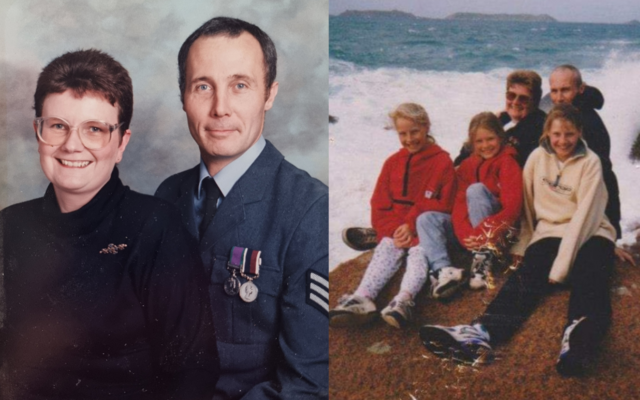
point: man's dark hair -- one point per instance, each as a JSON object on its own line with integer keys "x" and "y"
{"x": 85, "y": 71}
{"x": 231, "y": 27}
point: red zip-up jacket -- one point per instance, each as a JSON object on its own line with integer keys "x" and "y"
{"x": 502, "y": 175}
{"x": 409, "y": 185}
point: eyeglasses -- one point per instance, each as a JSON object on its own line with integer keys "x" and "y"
{"x": 93, "y": 134}
{"x": 519, "y": 98}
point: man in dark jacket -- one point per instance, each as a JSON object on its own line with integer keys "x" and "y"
{"x": 567, "y": 86}
{"x": 262, "y": 223}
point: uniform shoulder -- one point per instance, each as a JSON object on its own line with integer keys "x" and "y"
{"x": 146, "y": 208}
{"x": 169, "y": 189}
{"x": 301, "y": 182}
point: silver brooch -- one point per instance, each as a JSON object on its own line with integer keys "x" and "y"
{"x": 113, "y": 249}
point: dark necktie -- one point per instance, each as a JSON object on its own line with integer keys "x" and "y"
{"x": 212, "y": 194}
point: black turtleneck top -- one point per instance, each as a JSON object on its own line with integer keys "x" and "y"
{"x": 109, "y": 301}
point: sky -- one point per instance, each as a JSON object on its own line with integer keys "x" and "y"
{"x": 604, "y": 11}
{"x": 145, "y": 36}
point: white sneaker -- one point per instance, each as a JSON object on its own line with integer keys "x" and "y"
{"x": 446, "y": 281}
{"x": 461, "y": 343}
{"x": 480, "y": 269}
{"x": 352, "y": 310}
{"x": 398, "y": 313}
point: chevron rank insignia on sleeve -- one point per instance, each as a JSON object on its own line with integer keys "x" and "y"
{"x": 318, "y": 292}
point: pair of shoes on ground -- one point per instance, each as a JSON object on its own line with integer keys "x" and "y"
{"x": 446, "y": 281}
{"x": 469, "y": 344}
{"x": 353, "y": 310}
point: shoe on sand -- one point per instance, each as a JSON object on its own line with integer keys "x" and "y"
{"x": 468, "y": 344}
{"x": 360, "y": 239}
{"x": 352, "y": 310}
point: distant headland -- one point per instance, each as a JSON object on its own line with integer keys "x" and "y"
{"x": 461, "y": 16}
{"x": 501, "y": 17}
{"x": 378, "y": 13}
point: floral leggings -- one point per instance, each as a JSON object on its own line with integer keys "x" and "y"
{"x": 386, "y": 261}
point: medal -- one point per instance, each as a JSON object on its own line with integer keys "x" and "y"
{"x": 232, "y": 285}
{"x": 248, "y": 262}
{"x": 248, "y": 291}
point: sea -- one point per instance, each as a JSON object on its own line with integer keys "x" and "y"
{"x": 457, "y": 69}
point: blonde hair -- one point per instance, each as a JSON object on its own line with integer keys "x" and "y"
{"x": 565, "y": 112}
{"x": 414, "y": 112}
{"x": 488, "y": 121}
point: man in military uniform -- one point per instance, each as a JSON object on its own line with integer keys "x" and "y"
{"x": 262, "y": 223}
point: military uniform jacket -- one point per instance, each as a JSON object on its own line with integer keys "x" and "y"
{"x": 277, "y": 345}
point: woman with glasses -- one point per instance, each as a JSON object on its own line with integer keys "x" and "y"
{"x": 105, "y": 295}
{"x": 522, "y": 119}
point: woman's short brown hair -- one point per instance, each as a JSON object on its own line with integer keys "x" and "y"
{"x": 88, "y": 71}
{"x": 529, "y": 79}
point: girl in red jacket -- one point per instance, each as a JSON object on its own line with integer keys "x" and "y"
{"x": 418, "y": 178}
{"x": 489, "y": 197}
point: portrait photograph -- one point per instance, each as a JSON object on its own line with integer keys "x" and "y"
{"x": 164, "y": 199}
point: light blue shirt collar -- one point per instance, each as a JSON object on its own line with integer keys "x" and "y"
{"x": 229, "y": 175}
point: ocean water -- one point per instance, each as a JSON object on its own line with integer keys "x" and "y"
{"x": 456, "y": 69}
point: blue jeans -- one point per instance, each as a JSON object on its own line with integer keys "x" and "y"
{"x": 435, "y": 231}
{"x": 481, "y": 203}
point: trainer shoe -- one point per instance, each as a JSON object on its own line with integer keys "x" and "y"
{"x": 352, "y": 310}
{"x": 360, "y": 239}
{"x": 480, "y": 269}
{"x": 446, "y": 281}
{"x": 577, "y": 347}
{"x": 398, "y": 313}
{"x": 467, "y": 344}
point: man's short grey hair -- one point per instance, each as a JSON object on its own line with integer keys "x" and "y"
{"x": 577, "y": 76}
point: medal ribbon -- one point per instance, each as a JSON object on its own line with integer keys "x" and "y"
{"x": 252, "y": 271}
{"x": 237, "y": 257}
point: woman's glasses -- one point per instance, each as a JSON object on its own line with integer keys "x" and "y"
{"x": 519, "y": 98}
{"x": 93, "y": 134}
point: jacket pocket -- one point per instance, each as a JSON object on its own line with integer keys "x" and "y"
{"x": 237, "y": 321}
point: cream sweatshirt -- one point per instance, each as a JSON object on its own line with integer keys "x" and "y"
{"x": 565, "y": 201}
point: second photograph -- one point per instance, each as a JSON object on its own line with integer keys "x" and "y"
{"x": 482, "y": 234}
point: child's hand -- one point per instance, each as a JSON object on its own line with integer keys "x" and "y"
{"x": 402, "y": 236}
{"x": 475, "y": 242}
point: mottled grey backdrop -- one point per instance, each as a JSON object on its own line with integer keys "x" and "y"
{"x": 145, "y": 37}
